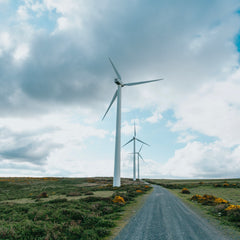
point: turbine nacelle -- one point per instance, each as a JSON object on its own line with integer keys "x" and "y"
{"x": 118, "y": 82}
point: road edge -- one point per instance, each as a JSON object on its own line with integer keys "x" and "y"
{"x": 226, "y": 230}
{"x": 129, "y": 211}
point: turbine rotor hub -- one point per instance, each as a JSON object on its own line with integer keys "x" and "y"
{"x": 117, "y": 81}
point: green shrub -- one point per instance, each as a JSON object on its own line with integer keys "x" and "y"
{"x": 74, "y": 194}
{"x": 58, "y": 200}
{"x": 88, "y": 193}
{"x": 102, "y": 232}
{"x": 90, "y": 234}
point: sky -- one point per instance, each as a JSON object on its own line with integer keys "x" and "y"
{"x": 57, "y": 82}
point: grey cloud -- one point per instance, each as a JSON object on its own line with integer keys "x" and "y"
{"x": 36, "y": 152}
{"x": 58, "y": 71}
{"x": 71, "y": 67}
{"x": 25, "y": 147}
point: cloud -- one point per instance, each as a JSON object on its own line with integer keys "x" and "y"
{"x": 155, "y": 117}
{"x": 25, "y": 146}
{"x": 53, "y": 63}
{"x": 185, "y": 137}
{"x": 69, "y": 66}
{"x": 212, "y": 110}
{"x": 128, "y": 129}
{"x": 199, "y": 160}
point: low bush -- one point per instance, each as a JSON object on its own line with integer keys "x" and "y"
{"x": 119, "y": 199}
{"x": 88, "y": 193}
{"x": 42, "y": 195}
{"x": 220, "y": 209}
{"x": 208, "y": 200}
{"x": 58, "y": 200}
{"x": 225, "y": 185}
{"x": 73, "y": 194}
{"x": 185, "y": 191}
{"x": 233, "y": 213}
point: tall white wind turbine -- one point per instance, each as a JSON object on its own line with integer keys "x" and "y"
{"x": 134, "y": 139}
{"x": 117, "y": 94}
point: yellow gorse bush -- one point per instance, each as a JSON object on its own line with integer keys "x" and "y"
{"x": 208, "y": 199}
{"x": 220, "y": 201}
{"x": 232, "y": 207}
{"x": 185, "y": 190}
{"x": 118, "y": 199}
{"x": 226, "y": 185}
{"x": 139, "y": 191}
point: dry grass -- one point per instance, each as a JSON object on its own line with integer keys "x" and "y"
{"x": 232, "y": 195}
{"x": 60, "y": 196}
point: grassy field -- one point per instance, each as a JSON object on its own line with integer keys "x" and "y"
{"x": 63, "y": 208}
{"x": 219, "y": 198}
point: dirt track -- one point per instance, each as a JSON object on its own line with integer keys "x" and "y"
{"x": 165, "y": 217}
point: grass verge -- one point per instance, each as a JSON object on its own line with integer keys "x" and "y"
{"x": 210, "y": 198}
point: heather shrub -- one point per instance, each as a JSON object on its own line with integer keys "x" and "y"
{"x": 88, "y": 193}
{"x": 58, "y": 200}
{"x": 73, "y": 194}
{"x": 233, "y": 212}
{"x": 220, "y": 209}
{"x": 102, "y": 232}
{"x": 42, "y": 195}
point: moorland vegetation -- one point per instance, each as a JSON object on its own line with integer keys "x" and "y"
{"x": 63, "y": 208}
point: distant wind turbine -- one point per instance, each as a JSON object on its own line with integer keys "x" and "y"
{"x": 139, "y": 156}
{"x": 117, "y": 94}
{"x": 134, "y": 139}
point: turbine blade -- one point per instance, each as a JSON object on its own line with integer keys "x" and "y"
{"x": 140, "y": 149}
{"x": 115, "y": 70}
{"x": 142, "y": 141}
{"x": 128, "y": 142}
{"x": 141, "y": 157}
{"x": 137, "y": 83}
{"x": 134, "y": 129}
{"x": 113, "y": 99}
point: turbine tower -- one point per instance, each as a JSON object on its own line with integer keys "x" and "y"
{"x": 117, "y": 94}
{"x": 134, "y": 139}
{"x": 139, "y": 156}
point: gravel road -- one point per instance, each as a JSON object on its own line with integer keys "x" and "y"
{"x": 165, "y": 217}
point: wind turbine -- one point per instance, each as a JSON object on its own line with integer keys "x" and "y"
{"x": 134, "y": 139}
{"x": 139, "y": 156}
{"x": 117, "y": 94}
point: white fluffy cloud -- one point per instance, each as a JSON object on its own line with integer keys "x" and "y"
{"x": 203, "y": 161}
{"x": 212, "y": 110}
